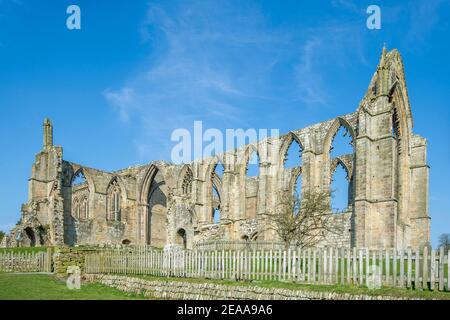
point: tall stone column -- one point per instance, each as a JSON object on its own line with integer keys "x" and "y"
{"x": 375, "y": 189}
{"x": 418, "y": 209}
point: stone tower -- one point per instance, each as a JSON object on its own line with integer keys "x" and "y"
{"x": 391, "y": 208}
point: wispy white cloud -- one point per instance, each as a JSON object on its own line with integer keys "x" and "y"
{"x": 216, "y": 63}
{"x": 309, "y": 80}
{"x": 124, "y": 100}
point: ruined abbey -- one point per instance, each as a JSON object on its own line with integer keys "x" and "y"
{"x": 161, "y": 203}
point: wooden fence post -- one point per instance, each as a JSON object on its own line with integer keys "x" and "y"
{"x": 441, "y": 269}
{"x": 402, "y": 269}
{"x": 432, "y": 269}
{"x": 361, "y": 270}
{"x": 409, "y": 277}
{"x": 355, "y": 270}
{"x": 425, "y": 268}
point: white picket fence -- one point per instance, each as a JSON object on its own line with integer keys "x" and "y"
{"x": 364, "y": 267}
{"x": 238, "y": 245}
{"x": 25, "y": 262}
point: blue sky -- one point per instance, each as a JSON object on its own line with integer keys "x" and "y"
{"x": 137, "y": 70}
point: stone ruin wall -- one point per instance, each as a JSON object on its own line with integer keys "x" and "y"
{"x": 162, "y": 203}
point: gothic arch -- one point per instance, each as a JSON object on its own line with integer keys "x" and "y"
{"x": 115, "y": 199}
{"x": 153, "y": 200}
{"x": 157, "y": 213}
{"x": 214, "y": 183}
{"x": 185, "y": 180}
{"x": 249, "y": 151}
{"x": 212, "y": 164}
{"x": 86, "y": 175}
{"x": 328, "y": 141}
{"x": 336, "y": 125}
{"x": 121, "y": 184}
{"x": 144, "y": 190}
{"x": 181, "y": 238}
{"x": 400, "y": 109}
{"x": 286, "y": 144}
{"x": 338, "y": 161}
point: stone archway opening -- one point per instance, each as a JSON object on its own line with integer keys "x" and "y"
{"x": 30, "y": 236}
{"x": 181, "y": 238}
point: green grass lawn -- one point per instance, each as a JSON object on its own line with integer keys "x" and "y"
{"x": 23, "y": 250}
{"x": 47, "y": 287}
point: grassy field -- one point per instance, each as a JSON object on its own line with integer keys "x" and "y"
{"x": 47, "y": 287}
{"x": 355, "y": 290}
{"x": 23, "y": 250}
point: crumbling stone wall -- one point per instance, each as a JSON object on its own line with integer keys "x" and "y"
{"x": 161, "y": 202}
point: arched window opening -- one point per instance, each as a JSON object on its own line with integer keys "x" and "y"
{"x": 181, "y": 238}
{"x": 216, "y": 182}
{"x": 80, "y": 196}
{"x": 342, "y": 143}
{"x": 79, "y": 179}
{"x": 187, "y": 182}
{"x": 253, "y": 165}
{"x": 340, "y": 187}
{"x": 114, "y": 201}
{"x": 30, "y": 236}
{"x": 293, "y": 155}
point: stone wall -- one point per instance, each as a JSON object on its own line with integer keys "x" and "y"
{"x": 69, "y": 256}
{"x": 180, "y": 290}
{"x": 340, "y": 235}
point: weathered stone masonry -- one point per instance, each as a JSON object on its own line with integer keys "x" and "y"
{"x": 161, "y": 203}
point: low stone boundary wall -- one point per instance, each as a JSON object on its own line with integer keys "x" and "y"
{"x": 70, "y": 256}
{"x": 180, "y": 290}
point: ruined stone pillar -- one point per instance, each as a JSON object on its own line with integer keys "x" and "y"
{"x": 48, "y": 133}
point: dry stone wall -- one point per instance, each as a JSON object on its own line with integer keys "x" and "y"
{"x": 179, "y": 290}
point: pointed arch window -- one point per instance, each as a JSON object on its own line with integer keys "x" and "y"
{"x": 341, "y": 185}
{"x": 253, "y": 164}
{"x": 292, "y": 161}
{"x": 79, "y": 179}
{"x": 216, "y": 184}
{"x": 341, "y": 157}
{"x": 80, "y": 195}
{"x": 292, "y": 158}
{"x": 84, "y": 209}
{"x": 342, "y": 142}
{"x": 114, "y": 201}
